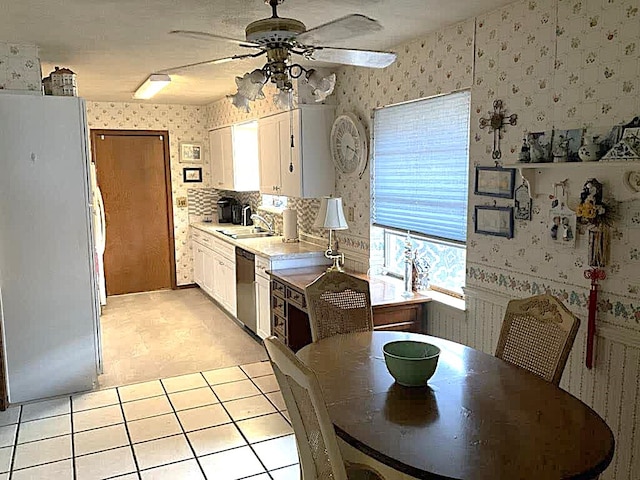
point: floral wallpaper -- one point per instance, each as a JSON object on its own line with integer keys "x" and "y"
{"x": 184, "y": 124}
{"x": 20, "y": 67}
{"x": 557, "y": 64}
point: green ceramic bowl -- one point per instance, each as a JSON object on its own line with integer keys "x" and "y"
{"x": 411, "y": 363}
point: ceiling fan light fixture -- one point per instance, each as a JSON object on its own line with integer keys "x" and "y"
{"x": 321, "y": 86}
{"x": 240, "y": 102}
{"x": 283, "y": 100}
{"x": 249, "y": 88}
{"x": 152, "y": 85}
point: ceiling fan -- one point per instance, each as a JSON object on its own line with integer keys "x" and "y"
{"x": 278, "y": 38}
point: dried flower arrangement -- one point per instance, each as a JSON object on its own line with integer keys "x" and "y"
{"x": 597, "y": 217}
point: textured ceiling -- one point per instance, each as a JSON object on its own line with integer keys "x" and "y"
{"x": 113, "y": 45}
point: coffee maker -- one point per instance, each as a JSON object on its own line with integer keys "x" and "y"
{"x": 241, "y": 214}
{"x": 225, "y": 209}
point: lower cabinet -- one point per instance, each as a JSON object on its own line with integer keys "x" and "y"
{"x": 214, "y": 270}
{"x": 208, "y": 270}
{"x": 263, "y": 297}
{"x": 203, "y": 267}
{"x": 198, "y": 264}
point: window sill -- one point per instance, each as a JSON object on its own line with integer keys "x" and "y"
{"x": 438, "y": 297}
{"x": 448, "y": 300}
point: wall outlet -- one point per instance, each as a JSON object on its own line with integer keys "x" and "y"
{"x": 351, "y": 214}
{"x": 181, "y": 202}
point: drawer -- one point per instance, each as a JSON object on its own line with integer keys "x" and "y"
{"x": 279, "y": 325}
{"x": 225, "y": 249}
{"x": 296, "y": 297}
{"x": 278, "y": 306}
{"x": 277, "y": 288}
{"x": 196, "y": 234}
{"x": 262, "y": 265}
{"x": 206, "y": 239}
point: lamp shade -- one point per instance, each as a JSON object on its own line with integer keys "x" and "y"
{"x": 331, "y": 215}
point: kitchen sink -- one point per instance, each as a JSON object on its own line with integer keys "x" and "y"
{"x": 243, "y": 234}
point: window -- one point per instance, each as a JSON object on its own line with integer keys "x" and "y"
{"x": 420, "y": 184}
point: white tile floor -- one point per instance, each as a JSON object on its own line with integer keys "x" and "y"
{"x": 225, "y": 424}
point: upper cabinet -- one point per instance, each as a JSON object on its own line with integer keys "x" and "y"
{"x": 295, "y": 158}
{"x": 234, "y": 157}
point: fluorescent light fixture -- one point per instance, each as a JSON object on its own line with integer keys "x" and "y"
{"x": 152, "y": 85}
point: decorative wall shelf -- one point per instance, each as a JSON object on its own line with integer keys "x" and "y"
{"x": 530, "y": 171}
{"x": 534, "y": 166}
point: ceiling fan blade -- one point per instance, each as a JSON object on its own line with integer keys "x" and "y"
{"x": 215, "y": 61}
{"x": 211, "y": 36}
{"x": 348, "y": 56}
{"x": 340, "y": 29}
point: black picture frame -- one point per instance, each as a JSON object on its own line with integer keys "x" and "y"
{"x": 192, "y": 175}
{"x": 496, "y": 221}
{"x": 495, "y": 182}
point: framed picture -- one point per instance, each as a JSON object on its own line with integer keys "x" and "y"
{"x": 496, "y": 221}
{"x": 192, "y": 175}
{"x": 540, "y": 146}
{"x": 190, "y": 153}
{"x": 495, "y": 181}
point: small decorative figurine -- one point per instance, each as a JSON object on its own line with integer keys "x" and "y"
{"x": 63, "y": 82}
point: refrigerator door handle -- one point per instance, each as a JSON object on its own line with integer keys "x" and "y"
{"x": 103, "y": 222}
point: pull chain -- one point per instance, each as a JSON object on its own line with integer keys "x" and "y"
{"x": 291, "y": 130}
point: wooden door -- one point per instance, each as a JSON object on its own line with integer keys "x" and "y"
{"x": 134, "y": 177}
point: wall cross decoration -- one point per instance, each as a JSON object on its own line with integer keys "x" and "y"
{"x": 496, "y": 122}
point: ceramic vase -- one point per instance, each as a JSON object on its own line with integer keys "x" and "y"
{"x": 588, "y": 152}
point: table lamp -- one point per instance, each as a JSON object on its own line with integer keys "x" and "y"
{"x": 331, "y": 217}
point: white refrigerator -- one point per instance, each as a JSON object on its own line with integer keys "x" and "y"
{"x": 49, "y": 303}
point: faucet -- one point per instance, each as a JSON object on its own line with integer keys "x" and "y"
{"x": 265, "y": 221}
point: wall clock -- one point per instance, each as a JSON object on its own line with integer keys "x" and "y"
{"x": 349, "y": 144}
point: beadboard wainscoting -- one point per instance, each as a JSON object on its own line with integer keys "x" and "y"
{"x": 612, "y": 388}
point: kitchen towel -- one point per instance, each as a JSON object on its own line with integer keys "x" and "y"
{"x": 290, "y": 224}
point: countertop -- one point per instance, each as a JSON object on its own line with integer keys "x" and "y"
{"x": 385, "y": 291}
{"x": 271, "y": 247}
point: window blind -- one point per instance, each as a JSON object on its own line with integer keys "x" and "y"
{"x": 420, "y": 166}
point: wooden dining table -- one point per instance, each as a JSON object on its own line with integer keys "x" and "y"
{"x": 477, "y": 418}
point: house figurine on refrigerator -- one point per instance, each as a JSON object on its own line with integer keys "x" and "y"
{"x": 63, "y": 82}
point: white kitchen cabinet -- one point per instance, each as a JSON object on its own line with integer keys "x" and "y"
{"x": 295, "y": 157}
{"x": 208, "y": 270}
{"x": 263, "y": 297}
{"x": 198, "y": 264}
{"x": 203, "y": 268}
{"x": 224, "y": 283}
{"x": 224, "y": 275}
{"x": 234, "y": 157}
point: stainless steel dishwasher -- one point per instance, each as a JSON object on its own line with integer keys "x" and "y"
{"x": 245, "y": 288}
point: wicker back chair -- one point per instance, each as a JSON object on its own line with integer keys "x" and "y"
{"x": 537, "y": 334}
{"x": 320, "y": 457}
{"x": 338, "y": 303}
